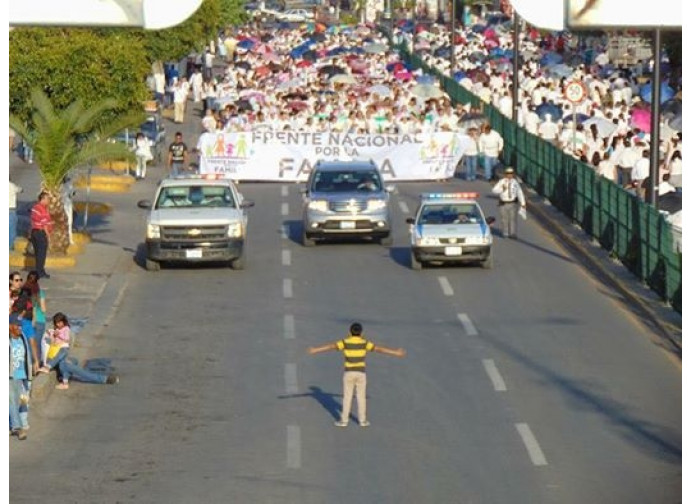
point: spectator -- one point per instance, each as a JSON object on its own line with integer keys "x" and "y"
{"x": 14, "y": 190}
{"x": 33, "y": 290}
{"x": 41, "y": 226}
{"x": 490, "y": 146}
{"x": 20, "y": 378}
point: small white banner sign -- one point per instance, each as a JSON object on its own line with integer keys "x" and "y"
{"x": 290, "y": 155}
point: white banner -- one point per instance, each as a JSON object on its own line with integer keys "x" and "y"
{"x": 290, "y": 155}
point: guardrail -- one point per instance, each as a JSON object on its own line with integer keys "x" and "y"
{"x": 632, "y": 231}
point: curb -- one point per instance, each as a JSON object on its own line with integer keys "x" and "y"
{"x": 19, "y": 258}
{"x": 643, "y": 304}
{"x": 106, "y": 183}
{"x": 95, "y": 208}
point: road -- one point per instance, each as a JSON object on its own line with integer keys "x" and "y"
{"x": 528, "y": 383}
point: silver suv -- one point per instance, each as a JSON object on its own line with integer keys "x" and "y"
{"x": 346, "y": 198}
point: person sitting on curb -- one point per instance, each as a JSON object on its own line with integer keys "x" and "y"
{"x": 68, "y": 367}
{"x": 57, "y": 341}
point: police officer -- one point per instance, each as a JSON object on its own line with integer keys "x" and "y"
{"x": 511, "y": 199}
{"x": 355, "y": 348}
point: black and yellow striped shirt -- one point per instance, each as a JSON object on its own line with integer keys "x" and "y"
{"x": 355, "y": 349}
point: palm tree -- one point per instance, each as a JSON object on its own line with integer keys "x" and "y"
{"x": 65, "y": 139}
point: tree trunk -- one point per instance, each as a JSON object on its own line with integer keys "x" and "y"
{"x": 59, "y": 237}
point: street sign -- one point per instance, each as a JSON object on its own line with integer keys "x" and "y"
{"x": 575, "y": 92}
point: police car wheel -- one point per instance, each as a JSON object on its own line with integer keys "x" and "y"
{"x": 488, "y": 263}
{"x": 414, "y": 263}
{"x": 306, "y": 241}
{"x": 152, "y": 265}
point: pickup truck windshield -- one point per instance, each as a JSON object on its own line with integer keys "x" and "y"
{"x": 195, "y": 197}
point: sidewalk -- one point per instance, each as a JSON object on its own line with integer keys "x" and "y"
{"x": 85, "y": 292}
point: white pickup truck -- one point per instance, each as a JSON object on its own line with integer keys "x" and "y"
{"x": 196, "y": 219}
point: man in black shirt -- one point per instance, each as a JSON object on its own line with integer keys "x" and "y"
{"x": 178, "y": 155}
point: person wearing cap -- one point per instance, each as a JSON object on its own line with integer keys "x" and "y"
{"x": 511, "y": 199}
{"x": 355, "y": 348}
{"x": 20, "y": 377}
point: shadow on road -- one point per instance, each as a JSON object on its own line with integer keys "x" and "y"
{"x": 325, "y": 399}
{"x": 588, "y": 396}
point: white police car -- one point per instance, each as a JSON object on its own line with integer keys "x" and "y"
{"x": 450, "y": 228}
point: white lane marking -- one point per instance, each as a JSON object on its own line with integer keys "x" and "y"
{"x": 445, "y": 286}
{"x": 291, "y": 379}
{"x": 287, "y": 288}
{"x": 284, "y": 191}
{"x": 294, "y": 447}
{"x": 284, "y": 209}
{"x": 494, "y": 375}
{"x": 533, "y": 449}
{"x": 467, "y": 324}
{"x": 286, "y": 257}
{"x": 286, "y": 231}
{"x": 289, "y": 326}
{"x": 403, "y": 207}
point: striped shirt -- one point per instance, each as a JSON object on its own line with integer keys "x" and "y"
{"x": 40, "y": 218}
{"x": 355, "y": 349}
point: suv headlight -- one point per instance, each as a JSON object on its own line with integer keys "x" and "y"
{"x": 319, "y": 205}
{"x": 234, "y": 230}
{"x": 153, "y": 231}
{"x": 427, "y": 241}
{"x": 376, "y": 204}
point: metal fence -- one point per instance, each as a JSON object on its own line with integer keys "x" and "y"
{"x": 630, "y": 229}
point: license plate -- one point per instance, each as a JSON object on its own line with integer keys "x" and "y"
{"x": 347, "y": 225}
{"x": 194, "y": 254}
{"x": 453, "y": 251}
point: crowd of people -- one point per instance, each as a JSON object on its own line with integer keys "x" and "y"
{"x": 348, "y": 79}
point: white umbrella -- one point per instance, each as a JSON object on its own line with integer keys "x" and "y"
{"x": 427, "y": 91}
{"x": 290, "y": 84}
{"x": 380, "y": 90}
{"x": 343, "y": 79}
{"x": 606, "y": 128}
{"x": 375, "y": 48}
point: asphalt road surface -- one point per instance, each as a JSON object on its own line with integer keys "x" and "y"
{"x": 528, "y": 383}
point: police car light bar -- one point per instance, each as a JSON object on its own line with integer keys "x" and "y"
{"x": 195, "y": 176}
{"x": 460, "y": 195}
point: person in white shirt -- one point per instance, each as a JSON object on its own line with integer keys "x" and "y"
{"x": 532, "y": 120}
{"x": 142, "y": 150}
{"x": 14, "y": 190}
{"x": 548, "y": 130}
{"x": 68, "y": 193}
{"x": 180, "y": 94}
{"x": 640, "y": 172}
{"x": 511, "y": 199}
{"x": 491, "y": 146}
{"x": 471, "y": 154}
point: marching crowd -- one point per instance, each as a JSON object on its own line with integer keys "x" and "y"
{"x": 348, "y": 79}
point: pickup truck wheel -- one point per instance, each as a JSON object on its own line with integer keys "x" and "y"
{"x": 152, "y": 265}
{"x": 306, "y": 241}
{"x": 414, "y": 263}
{"x": 239, "y": 263}
{"x": 488, "y": 263}
{"x": 387, "y": 241}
